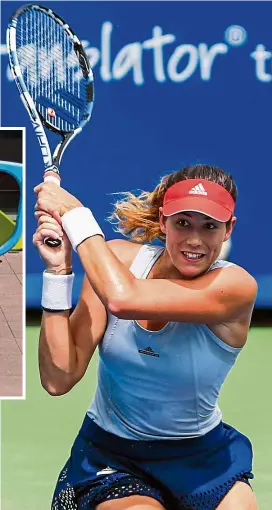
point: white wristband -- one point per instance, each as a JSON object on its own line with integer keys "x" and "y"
{"x": 79, "y": 224}
{"x": 57, "y": 292}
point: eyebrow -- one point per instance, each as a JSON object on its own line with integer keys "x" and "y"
{"x": 190, "y": 216}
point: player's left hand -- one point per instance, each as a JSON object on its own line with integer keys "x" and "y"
{"x": 54, "y": 200}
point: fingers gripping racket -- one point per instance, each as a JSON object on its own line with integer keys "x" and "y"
{"x": 54, "y": 78}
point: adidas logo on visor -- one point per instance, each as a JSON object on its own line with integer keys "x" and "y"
{"x": 198, "y": 190}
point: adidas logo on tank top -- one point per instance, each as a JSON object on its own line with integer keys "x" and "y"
{"x": 149, "y": 352}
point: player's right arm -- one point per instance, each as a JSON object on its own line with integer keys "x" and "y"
{"x": 67, "y": 343}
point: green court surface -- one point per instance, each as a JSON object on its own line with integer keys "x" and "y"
{"x": 37, "y": 433}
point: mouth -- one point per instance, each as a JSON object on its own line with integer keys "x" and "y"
{"x": 192, "y": 257}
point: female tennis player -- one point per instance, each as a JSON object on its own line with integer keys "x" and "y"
{"x": 170, "y": 322}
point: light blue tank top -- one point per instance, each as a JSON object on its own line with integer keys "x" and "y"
{"x": 159, "y": 384}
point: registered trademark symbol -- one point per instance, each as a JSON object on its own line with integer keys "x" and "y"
{"x": 235, "y": 35}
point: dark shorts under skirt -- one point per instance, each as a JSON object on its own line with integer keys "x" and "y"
{"x": 186, "y": 474}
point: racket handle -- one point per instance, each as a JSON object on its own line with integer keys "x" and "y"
{"x": 52, "y": 175}
{"x": 52, "y": 243}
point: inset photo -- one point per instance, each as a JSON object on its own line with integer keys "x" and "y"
{"x": 11, "y": 263}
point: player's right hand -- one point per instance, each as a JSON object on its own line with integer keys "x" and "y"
{"x": 57, "y": 258}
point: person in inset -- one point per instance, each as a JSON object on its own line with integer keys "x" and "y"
{"x": 170, "y": 321}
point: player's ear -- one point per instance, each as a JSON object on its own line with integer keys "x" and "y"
{"x": 162, "y": 220}
{"x": 230, "y": 227}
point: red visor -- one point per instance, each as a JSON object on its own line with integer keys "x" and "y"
{"x": 199, "y": 195}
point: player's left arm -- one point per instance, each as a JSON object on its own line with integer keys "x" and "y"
{"x": 219, "y": 295}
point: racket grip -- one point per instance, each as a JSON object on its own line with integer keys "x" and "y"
{"x": 52, "y": 243}
{"x": 52, "y": 176}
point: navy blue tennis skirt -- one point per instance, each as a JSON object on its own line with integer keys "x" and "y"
{"x": 186, "y": 474}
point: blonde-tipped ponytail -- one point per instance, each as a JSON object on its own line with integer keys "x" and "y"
{"x": 137, "y": 216}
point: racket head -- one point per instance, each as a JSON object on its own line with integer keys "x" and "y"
{"x": 51, "y": 69}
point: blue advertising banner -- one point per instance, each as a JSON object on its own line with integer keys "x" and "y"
{"x": 176, "y": 83}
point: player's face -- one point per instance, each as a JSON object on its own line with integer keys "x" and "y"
{"x": 193, "y": 241}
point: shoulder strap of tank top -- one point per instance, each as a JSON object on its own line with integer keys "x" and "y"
{"x": 220, "y": 263}
{"x": 145, "y": 259}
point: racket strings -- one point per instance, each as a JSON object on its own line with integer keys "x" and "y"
{"x": 51, "y": 70}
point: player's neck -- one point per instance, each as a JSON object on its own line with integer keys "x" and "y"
{"x": 163, "y": 268}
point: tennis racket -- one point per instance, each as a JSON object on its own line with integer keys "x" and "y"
{"x": 54, "y": 79}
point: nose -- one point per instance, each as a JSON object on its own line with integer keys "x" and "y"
{"x": 194, "y": 240}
